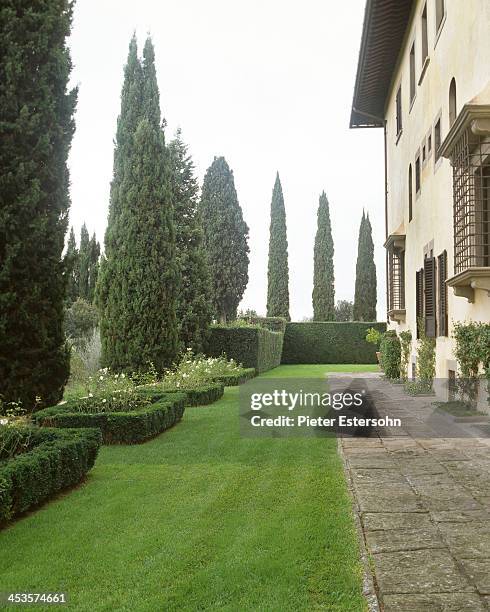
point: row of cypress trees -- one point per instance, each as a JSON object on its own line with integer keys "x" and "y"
{"x": 323, "y": 296}
{"x": 171, "y": 262}
{"x": 82, "y": 266}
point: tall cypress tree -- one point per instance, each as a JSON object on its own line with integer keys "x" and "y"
{"x": 93, "y": 267}
{"x": 323, "y": 274}
{"x": 84, "y": 257}
{"x": 36, "y": 129}
{"x": 194, "y": 310}
{"x": 365, "y": 291}
{"x": 225, "y": 239}
{"x": 278, "y": 270}
{"x": 71, "y": 259}
{"x": 138, "y": 281}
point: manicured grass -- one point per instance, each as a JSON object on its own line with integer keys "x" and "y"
{"x": 197, "y": 519}
{"x": 317, "y": 370}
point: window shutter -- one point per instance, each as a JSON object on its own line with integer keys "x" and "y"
{"x": 419, "y": 297}
{"x": 443, "y": 311}
{"x": 430, "y": 296}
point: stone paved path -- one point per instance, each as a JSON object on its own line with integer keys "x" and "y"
{"x": 423, "y": 509}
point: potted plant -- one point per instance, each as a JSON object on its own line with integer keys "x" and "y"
{"x": 373, "y": 336}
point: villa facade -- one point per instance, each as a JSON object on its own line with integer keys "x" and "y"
{"x": 424, "y": 78}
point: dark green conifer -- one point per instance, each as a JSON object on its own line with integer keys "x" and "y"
{"x": 84, "y": 260}
{"x": 71, "y": 259}
{"x": 138, "y": 280}
{"x": 365, "y": 290}
{"x": 278, "y": 269}
{"x": 94, "y": 267}
{"x": 225, "y": 239}
{"x": 323, "y": 274}
{"x": 194, "y": 310}
{"x": 36, "y": 129}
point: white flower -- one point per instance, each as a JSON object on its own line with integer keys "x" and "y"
{"x": 104, "y": 401}
{"x": 90, "y": 394}
{"x": 123, "y": 375}
{"x": 4, "y": 421}
{"x": 101, "y": 378}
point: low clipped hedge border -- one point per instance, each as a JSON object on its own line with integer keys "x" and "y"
{"x": 58, "y": 458}
{"x": 132, "y": 427}
{"x": 207, "y": 394}
{"x": 329, "y": 342}
{"x": 232, "y": 380}
{"x": 253, "y": 347}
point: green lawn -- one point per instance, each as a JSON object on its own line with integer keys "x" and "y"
{"x": 198, "y": 519}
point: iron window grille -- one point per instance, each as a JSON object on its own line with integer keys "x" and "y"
{"x": 396, "y": 284}
{"x": 471, "y": 195}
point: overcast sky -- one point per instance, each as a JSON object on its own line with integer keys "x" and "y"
{"x": 266, "y": 83}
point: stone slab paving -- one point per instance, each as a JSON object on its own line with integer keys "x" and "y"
{"x": 422, "y": 505}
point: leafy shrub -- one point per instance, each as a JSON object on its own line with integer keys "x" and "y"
{"x": 472, "y": 353}
{"x": 406, "y": 345}
{"x": 81, "y": 319}
{"x": 55, "y": 459}
{"x": 426, "y": 358}
{"x": 131, "y": 427}
{"x": 373, "y": 336}
{"x": 254, "y": 347}
{"x": 329, "y": 342}
{"x": 390, "y": 348}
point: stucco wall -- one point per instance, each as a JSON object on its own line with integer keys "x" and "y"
{"x": 462, "y": 51}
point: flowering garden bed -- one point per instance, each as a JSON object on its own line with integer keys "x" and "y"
{"x": 43, "y": 462}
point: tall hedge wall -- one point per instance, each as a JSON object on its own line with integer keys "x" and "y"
{"x": 253, "y": 347}
{"x": 329, "y": 342}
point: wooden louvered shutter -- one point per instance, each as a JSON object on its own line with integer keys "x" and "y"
{"x": 442, "y": 261}
{"x": 430, "y": 296}
{"x": 419, "y": 296}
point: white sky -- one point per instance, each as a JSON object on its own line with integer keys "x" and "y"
{"x": 266, "y": 83}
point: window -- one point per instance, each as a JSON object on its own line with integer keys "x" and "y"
{"x": 399, "y": 120}
{"x": 396, "y": 281}
{"x": 440, "y": 12}
{"x": 471, "y": 201}
{"x": 417, "y": 174}
{"x": 452, "y": 102}
{"x": 425, "y": 39}
{"x": 429, "y": 144}
{"x": 412, "y": 73}
{"x": 410, "y": 193}
{"x": 442, "y": 267}
{"x": 430, "y": 296}
{"x": 424, "y": 153}
{"x": 437, "y": 138}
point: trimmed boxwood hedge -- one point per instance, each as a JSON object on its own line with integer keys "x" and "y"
{"x": 56, "y": 459}
{"x": 119, "y": 427}
{"x": 232, "y": 380}
{"x": 202, "y": 396}
{"x": 253, "y": 347}
{"x": 329, "y": 342}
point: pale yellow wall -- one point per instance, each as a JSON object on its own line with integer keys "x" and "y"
{"x": 462, "y": 50}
